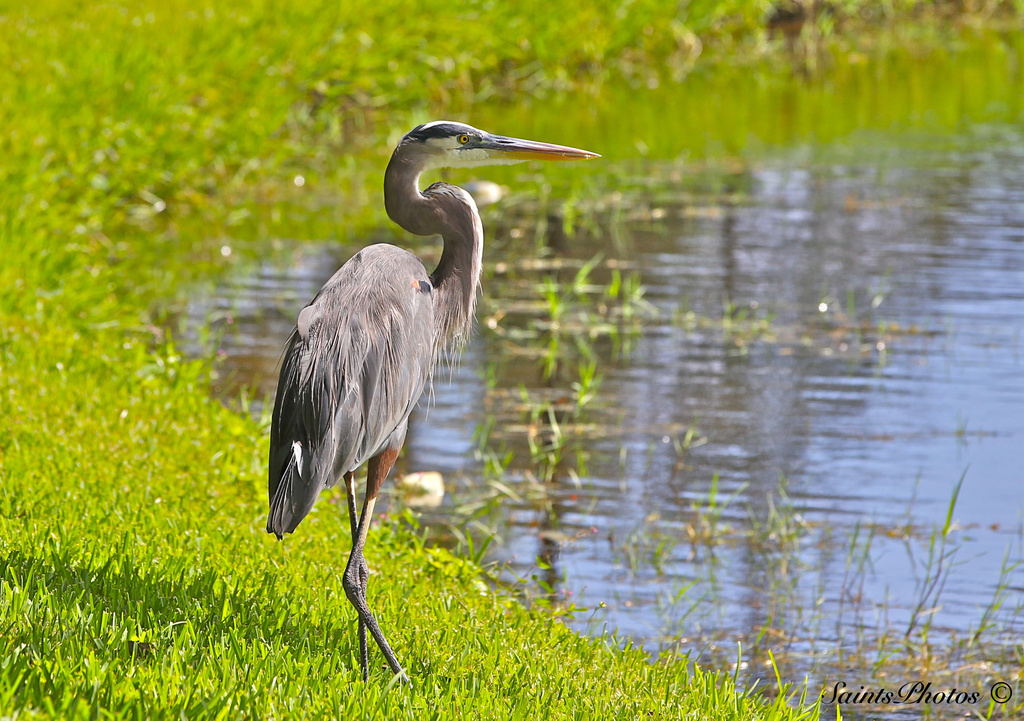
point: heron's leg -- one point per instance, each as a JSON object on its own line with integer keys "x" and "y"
{"x": 355, "y": 583}
{"x": 350, "y": 491}
{"x": 353, "y": 518}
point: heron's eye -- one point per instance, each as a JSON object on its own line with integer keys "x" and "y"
{"x": 463, "y": 139}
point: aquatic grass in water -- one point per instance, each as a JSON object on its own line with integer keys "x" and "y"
{"x": 869, "y": 646}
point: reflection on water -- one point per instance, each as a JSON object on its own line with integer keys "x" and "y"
{"x": 887, "y": 277}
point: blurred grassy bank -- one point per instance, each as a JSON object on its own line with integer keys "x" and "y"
{"x": 135, "y": 577}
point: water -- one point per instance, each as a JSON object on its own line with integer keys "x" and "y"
{"x": 833, "y": 342}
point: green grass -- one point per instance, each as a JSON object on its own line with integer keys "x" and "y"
{"x": 136, "y": 580}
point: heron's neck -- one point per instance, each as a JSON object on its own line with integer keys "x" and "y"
{"x": 402, "y": 198}
{"x": 457, "y": 275}
{"x": 448, "y": 211}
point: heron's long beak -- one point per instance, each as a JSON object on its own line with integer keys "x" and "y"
{"x": 498, "y": 146}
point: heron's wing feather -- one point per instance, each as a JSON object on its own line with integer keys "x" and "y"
{"x": 354, "y": 369}
{"x": 291, "y": 491}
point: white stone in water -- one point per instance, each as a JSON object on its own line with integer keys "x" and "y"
{"x": 424, "y": 489}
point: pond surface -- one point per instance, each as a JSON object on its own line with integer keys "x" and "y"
{"x": 799, "y": 351}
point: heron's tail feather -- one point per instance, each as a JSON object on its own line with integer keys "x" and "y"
{"x": 295, "y": 494}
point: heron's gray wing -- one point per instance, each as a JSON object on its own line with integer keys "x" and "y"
{"x": 354, "y": 368}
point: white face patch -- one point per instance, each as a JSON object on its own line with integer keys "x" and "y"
{"x": 451, "y": 154}
{"x": 448, "y": 143}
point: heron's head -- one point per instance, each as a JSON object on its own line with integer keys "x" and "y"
{"x": 447, "y": 144}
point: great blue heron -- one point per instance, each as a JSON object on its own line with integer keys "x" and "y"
{"x": 362, "y": 351}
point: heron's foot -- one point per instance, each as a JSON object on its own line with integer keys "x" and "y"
{"x": 363, "y": 576}
{"x": 354, "y": 582}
